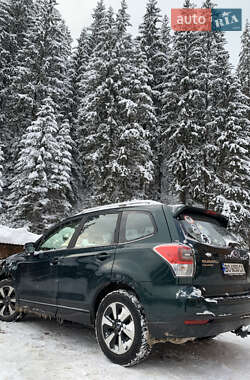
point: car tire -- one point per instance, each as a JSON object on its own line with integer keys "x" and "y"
{"x": 121, "y": 328}
{"x": 8, "y": 311}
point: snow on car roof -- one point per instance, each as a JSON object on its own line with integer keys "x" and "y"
{"x": 18, "y": 236}
{"x": 122, "y": 204}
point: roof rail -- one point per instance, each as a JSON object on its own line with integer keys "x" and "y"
{"x": 138, "y": 202}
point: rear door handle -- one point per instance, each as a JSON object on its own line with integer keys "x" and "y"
{"x": 54, "y": 261}
{"x": 103, "y": 256}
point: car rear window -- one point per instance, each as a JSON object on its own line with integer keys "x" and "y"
{"x": 207, "y": 230}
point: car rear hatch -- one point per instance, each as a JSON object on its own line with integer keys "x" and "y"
{"x": 222, "y": 266}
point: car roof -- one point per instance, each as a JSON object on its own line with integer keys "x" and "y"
{"x": 133, "y": 203}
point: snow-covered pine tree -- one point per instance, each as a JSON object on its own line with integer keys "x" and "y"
{"x": 115, "y": 153}
{"x": 65, "y": 41}
{"x": 243, "y": 72}
{"x": 165, "y": 174}
{"x": 43, "y": 74}
{"x": 182, "y": 112}
{"x": 243, "y": 69}
{"x": 136, "y": 114}
{"x": 78, "y": 64}
{"x": 43, "y": 65}
{"x": 221, "y": 178}
{"x": 208, "y": 75}
{"x": 36, "y": 188}
{"x": 232, "y": 190}
{"x": 205, "y": 75}
{"x": 166, "y": 38}
{"x": 89, "y": 39}
{"x": 97, "y": 25}
{"x": 87, "y": 42}
{"x": 65, "y": 144}
{"x": 141, "y": 91}
{"x": 152, "y": 45}
{"x": 15, "y": 20}
{"x": 208, "y": 126}
{"x": 16, "y": 17}
{"x": 1, "y": 177}
{"x": 79, "y": 61}
{"x": 96, "y": 113}
{"x": 60, "y": 178}
{"x": 231, "y": 193}
{"x": 155, "y": 41}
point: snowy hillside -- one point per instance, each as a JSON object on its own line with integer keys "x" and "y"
{"x": 44, "y": 350}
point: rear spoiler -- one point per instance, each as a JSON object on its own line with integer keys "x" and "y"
{"x": 182, "y": 210}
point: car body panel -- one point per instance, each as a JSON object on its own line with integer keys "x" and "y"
{"x": 36, "y": 281}
{"x": 81, "y": 273}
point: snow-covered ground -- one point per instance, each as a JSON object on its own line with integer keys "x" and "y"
{"x": 35, "y": 349}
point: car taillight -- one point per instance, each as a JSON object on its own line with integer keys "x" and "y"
{"x": 180, "y": 258}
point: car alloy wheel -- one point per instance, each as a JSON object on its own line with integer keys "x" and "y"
{"x": 8, "y": 311}
{"x": 118, "y": 328}
{"x": 121, "y": 328}
{"x": 7, "y": 301}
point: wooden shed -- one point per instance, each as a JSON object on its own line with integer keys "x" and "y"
{"x": 12, "y": 240}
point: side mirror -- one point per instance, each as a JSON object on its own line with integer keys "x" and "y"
{"x": 29, "y": 248}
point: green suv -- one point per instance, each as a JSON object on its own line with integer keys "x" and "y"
{"x": 139, "y": 272}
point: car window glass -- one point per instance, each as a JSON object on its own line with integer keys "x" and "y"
{"x": 97, "y": 231}
{"x": 138, "y": 225}
{"x": 60, "y": 238}
{"x": 207, "y": 230}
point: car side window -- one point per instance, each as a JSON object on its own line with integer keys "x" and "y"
{"x": 60, "y": 238}
{"x": 98, "y": 230}
{"x": 138, "y": 225}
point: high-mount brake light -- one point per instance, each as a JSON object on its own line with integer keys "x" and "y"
{"x": 211, "y": 212}
{"x": 180, "y": 257}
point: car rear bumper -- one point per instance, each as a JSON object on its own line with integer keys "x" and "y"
{"x": 178, "y": 329}
{"x": 212, "y": 315}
